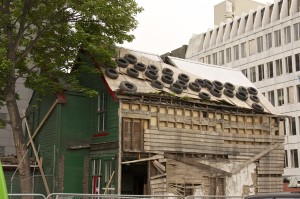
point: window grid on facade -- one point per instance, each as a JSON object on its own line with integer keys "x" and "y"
{"x": 221, "y": 57}
{"x": 215, "y": 59}
{"x": 260, "y": 42}
{"x": 236, "y": 52}
{"x": 244, "y": 71}
{"x": 268, "y": 40}
{"x": 252, "y": 47}
{"x": 252, "y": 74}
{"x": 287, "y": 35}
{"x": 277, "y": 38}
{"x": 296, "y": 31}
{"x": 278, "y": 64}
{"x": 228, "y": 55}
{"x": 102, "y": 103}
{"x": 289, "y": 64}
{"x": 290, "y": 94}
{"x": 261, "y": 74}
{"x": 298, "y": 93}
{"x": 271, "y": 97}
{"x": 293, "y": 126}
{"x": 270, "y": 70}
{"x": 286, "y": 164}
{"x": 208, "y": 59}
{"x": 294, "y": 158}
{"x": 297, "y": 62}
{"x": 280, "y": 97}
{"x": 243, "y": 50}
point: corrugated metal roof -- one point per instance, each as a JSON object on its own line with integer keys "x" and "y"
{"x": 194, "y": 70}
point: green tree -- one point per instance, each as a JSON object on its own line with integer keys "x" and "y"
{"x": 39, "y": 41}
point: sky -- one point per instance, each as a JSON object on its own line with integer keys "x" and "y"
{"x": 165, "y": 25}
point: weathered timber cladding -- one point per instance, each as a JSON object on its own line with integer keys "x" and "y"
{"x": 225, "y": 140}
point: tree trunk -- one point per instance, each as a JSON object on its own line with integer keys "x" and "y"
{"x": 19, "y": 138}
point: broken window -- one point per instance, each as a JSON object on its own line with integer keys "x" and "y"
{"x": 96, "y": 176}
{"x": 109, "y": 178}
{"x": 133, "y": 130}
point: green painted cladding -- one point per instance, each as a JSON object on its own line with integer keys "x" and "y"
{"x": 95, "y": 82}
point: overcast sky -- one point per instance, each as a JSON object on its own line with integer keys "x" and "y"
{"x": 165, "y": 25}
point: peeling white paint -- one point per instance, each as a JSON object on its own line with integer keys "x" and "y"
{"x": 235, "y": 183}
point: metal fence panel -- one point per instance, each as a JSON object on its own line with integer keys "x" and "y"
{"x": 21, "y": 196}
{"x": 106, "y": 196}
{"x": 214, "y": 197}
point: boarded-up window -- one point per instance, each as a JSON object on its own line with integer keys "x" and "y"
{"x": 133, "y": 131}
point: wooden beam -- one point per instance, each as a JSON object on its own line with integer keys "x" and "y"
{"x": 111, "y": 177}
{"x": 197, "y": 164}
{"x": 43, "y": 121}
{"x": 155, "y": 157}
{"x": 264, "y": 152}
{"x": 162, "y": 167}
{"x": 37, "y": 158}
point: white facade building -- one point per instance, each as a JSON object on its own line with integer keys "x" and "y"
{"x": 265, "y": 45}
{"x": 7, "y": 144}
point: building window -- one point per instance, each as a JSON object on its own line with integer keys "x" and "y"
{"x": 296, "y": 31}
{"x": 201, "y": 60}
{"x": 293, "y": 126}
{"x": 215, "y": 59}
{"x": 294, "y": 158}
{"x": 286, "y": 164}
{"x": 287, "y": 35}
{"x": 221, "y": 57}
{"x": 260, "y": 44}
{"x": 252, "y": 74}
{"x": 268, "y": 40}
{"x": 244, "y": 71}
{"x": 298, "y": 93}
{"x": 279, "y": 70}
{"x": 290, "y": 94}
{"x": 277, "y": 38}
{"x": 243, "y": 50}
{"x": 270, "y": 70}
{"x": 288, "y": 64}
{"x": 297, "y": 62}
{"x": 261, "y": 74}
{"x": 236, "y": 52}
{"x": 108, "y": 178}
{"x": 228, "y": 55}
{"x": 102, "y": 104}
{"x": 208, "y": 59}
{"x": 271, "y": 97}
{"x": 2, "y": 119}
{"x": 252, "y": 47}
{"x": 280, "y": 97}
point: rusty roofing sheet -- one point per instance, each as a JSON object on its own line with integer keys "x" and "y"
{"x": 193, "y": 70}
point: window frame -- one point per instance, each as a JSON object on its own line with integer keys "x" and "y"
{"x": 260, "y": 44}
{"x": 280, "y": 97}
{"x": 277, "y": 38}
{"x": 102, "y": 111}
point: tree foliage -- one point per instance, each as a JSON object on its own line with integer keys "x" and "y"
{"x": 40, "y": 39}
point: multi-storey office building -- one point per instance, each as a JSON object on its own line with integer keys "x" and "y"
{"x": 265, "y": 45}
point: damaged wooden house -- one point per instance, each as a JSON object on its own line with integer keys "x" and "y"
{"x": 183, "y": 128}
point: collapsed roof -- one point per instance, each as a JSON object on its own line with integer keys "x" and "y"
{"x": 145, "y": 73}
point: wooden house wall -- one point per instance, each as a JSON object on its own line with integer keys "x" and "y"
{"x": 235, "y": 137}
